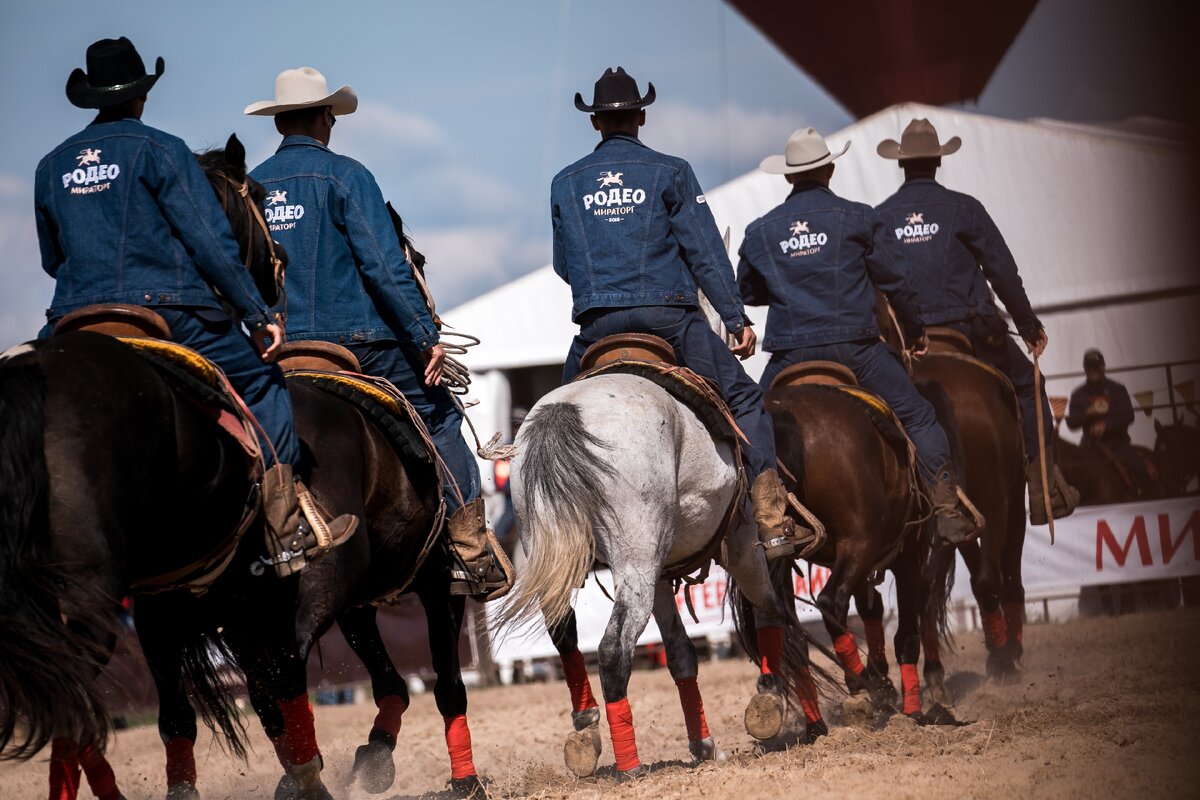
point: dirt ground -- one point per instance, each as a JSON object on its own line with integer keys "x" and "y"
{"x": 1104, "y": 707}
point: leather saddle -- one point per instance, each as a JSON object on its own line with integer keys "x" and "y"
{"x": 627, "y": 347}
{"x": 315, "y": 356}
{"x": 116, "y": 319}
{"x": 948, "y": 340}
{"x": 823, "y": 373}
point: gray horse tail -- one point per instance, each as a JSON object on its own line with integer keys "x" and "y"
{"x": 564, "y": 479}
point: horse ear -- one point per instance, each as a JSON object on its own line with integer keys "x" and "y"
{"x": 235, "y": 154}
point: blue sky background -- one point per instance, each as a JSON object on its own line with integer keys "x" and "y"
{"x": 465, "y": 107}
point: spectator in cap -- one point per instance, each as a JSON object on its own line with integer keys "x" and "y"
{"x": 1101, "y": 407}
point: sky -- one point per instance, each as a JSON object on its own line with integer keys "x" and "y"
{"x": 466, "y": 107}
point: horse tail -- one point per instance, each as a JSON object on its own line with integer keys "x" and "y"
{"x": 795, "y": 639}
{"x": 213, "y": 697}
{"x": 47, "y": 669}
{"x": 562, "y": 491}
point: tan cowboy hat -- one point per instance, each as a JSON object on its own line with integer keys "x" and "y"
{"x": 805, "y": 150}
{"x": 304, "y": 88}
{"x": 919, "y": 140}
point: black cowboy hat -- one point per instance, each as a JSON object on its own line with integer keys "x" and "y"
{"x": 615, "y": 91}
{"x": 116, "y": 73}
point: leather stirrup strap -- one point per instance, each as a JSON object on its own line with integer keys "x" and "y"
{"x": 320, "y": 528}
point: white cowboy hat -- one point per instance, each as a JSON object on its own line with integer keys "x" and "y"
{"x": 304, "y": 88}
{"x": 805, "y": 150}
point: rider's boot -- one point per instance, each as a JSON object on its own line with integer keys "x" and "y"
{"x": 778, "y": 533}
{"x": 1063, "y": 496}
{"x": 481, "y": 568}
{"x": 957, "y": 520}
{"x": 297, "y": 530}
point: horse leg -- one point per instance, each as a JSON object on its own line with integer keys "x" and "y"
{"x": 584, "y": 744}
{"x": 910, "y": 594}
{"x": 374, "y": 768}
{"x": 1012, "y": 590}
{"x": 444, "y": 614}
{"x": 985, "y": 585}
{"x": 869, "y": 604}
{"x": 682, "y": 662}
{"x": 834, "y": 602}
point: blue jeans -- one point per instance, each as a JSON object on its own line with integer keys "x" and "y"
{"x": 993, "y": 345}
{"x": 403, "y": 366}
{"x": 698, "y": 349}
{"x": 880, "y": 372}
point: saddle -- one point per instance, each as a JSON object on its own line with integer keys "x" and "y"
{"x": 807, "y": 373}
{"x": 948, "y": 340}
{"x": 317, "y": 356}
{"x": 654, "y": 360}
{"x": 116, "y": 319}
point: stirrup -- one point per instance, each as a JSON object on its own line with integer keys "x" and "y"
{"x": 817, "y": 535}
{"x": 321, "y": 536}
{"x": 480, "y": 580}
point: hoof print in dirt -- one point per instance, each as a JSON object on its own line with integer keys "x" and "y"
{"x": 581, "y": 751}
{"x": 374, "y": 769}
{"x": 764, "y": 716}
{"x": 468, "y": 788}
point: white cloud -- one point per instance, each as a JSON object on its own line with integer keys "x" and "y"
{"x": 378, "y": 132}
{"x": 469, "y": 260}
{"x": 699, "y": 134}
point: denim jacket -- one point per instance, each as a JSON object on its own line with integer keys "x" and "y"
{"x": 815, "y": 261}
{"x": 950, "y": 249}
{"x": 632, "y": 228}
{"x": 125, "y": 215}
{"x": 347, "y": 278}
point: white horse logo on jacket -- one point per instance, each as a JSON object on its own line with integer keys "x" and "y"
{"x": 610, "y": 179}
{"x": 88, "y": 156}
{"x": 799, "y": 227}
{"x": 276, "y": 197}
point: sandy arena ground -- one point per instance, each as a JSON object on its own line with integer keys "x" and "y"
{"x": 1105, "y": 707}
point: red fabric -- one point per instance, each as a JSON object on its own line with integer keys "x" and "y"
{"x": 912, "y": 688}
{"x": 693, "y": 709}
{"x": 458, "y": 743}
{"x": 930, "y": 644}
{"x": 181, "y": 761}
{"x": 64, "y": 770}
{"x": 847, "y": 652}
{"x": 391, "y": 709}
{"x": 770, "y": 649}
{"x": 620, "y": 728}
{"x": 876, "y": 646}
{"x": 99, "y": 774}
{"x": 575, "y": 672}
{"x": 1014, "y": 617}
{"x": 808, "y": 696}
{"x": 995, "y": 632}
{"x": 299, "y": 730}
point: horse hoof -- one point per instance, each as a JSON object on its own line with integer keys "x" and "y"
{"x": 640, "y": 771}
{"x": 764, "y": 716}
{"x": 183, "y": 791}
{"x": 814, "y": 731}
{"x": 1000, "y": 664}
{"x": 582, "y": 751}
{"x": 706, "y": 750}
{"x": 287, "y": 789}
{"x": 468, "y": 788}
{"x": 858, "y": 712}
{"x": 589, "y": 717}
{"x": 374, "y": 769}
{"x": 303, "y": 782}
{"x": 939, "y": 715}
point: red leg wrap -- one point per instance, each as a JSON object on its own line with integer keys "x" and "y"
{"x": 930, "y": 644}
{"x": 808, "y": 696}
{"x": 64, "y": 770}
{"x": 876, "y": 648}
{"x": 847, "y": 652}
{"x": 181, "y": 761}
{"x": 912, "y": 688}
{"x": 99, "y": 774}
{"x": 770, "y": 649}
{"x": 391, "y": 709}
{"x": 995, "y": 632}
{"x": 299, "y": 730}
{"x": 575, "y": 672}
{"x": 693, "y": 709}
{"x": 458, "y": 743}
{"x": 620, "y": 728}
{"x": 1014, "y": 616}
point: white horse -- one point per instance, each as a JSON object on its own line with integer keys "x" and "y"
{"x": 616, "y": 470}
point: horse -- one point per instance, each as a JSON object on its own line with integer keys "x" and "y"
{"x": 613, "y": 469}
{"x": 1177, "y": 454}
{"x": 1097, "y": 474}
{"x": 833, "y": 444}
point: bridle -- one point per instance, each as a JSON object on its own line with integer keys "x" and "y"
{"x": 254, "y": 214}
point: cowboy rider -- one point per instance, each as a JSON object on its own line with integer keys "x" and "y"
{"x": 951, "y": 250}
{"x": 634, "y": 237}
{"x": 125, "y": 215}
{"x": 349, "y": 283}
{"x": 1102, "y": 408}
{"x": 815, "y": 260}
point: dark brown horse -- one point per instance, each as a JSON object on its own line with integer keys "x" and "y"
{"x": 1177, "y": 454}
{"x": 1097, "y": 475}
{"x": 855, "y": 477}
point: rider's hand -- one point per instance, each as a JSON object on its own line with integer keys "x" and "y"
{"x": 268, "y": 340}
{"x": 1037, "y": 345}
{"x": 920, "y": 347}
{"x": 746, "y": 342}
{"x": 435, "y": 360}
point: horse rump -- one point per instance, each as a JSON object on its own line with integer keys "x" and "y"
{"x": 47, "y": 667}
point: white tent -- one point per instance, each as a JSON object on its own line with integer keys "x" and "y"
{"x": 1097, "y": 218}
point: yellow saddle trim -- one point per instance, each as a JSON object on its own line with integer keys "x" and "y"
{"x": 975, "y": 361}
{"x": 359, "y": 385}
{"x": 872, "y": 400}
{"x": 185, "y": 357}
